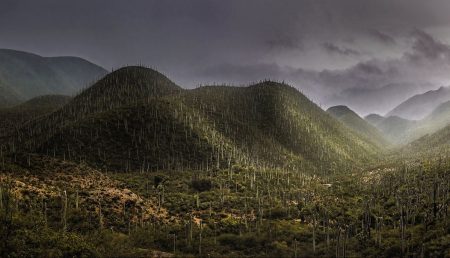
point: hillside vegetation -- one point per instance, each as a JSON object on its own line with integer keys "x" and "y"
{"x": 435, "y": 144}
{"x": 353, "y": 121}
{"x": 50, "y": 205}
{"x": 137, "y": 119}
{"x": 136, "y": 166}
{"x": 436, "y": 120}
{"x": 14, "y": 117}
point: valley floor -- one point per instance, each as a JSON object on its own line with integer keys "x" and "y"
{"x": 51, "y": 207}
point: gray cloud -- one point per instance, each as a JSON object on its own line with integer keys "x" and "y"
{"x": 375, "y": 85}
{"x": 334, "y": 49}
{"x": 285, "y": 43}
{"x": 379, "y": 85}
{"x": 237, "y": 41}
{"x": 381, "y": 36}
{"x": 242, "y": 74}
{"x": 425, "y": 47}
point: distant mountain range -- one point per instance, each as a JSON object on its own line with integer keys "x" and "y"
{"x": 392, "y": 129}
{"x": 400, "y": 130}
{"x": 419, "y": 106}
{"x": 25, "y": 75}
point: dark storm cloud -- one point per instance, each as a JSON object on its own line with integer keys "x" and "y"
{"x": 368, "y": 42}
{"x": 333, "y": 49}
{"x": 376, "y": 85}
{"x": 284, "y": 43}
{"x": 425, "y": 66}
{"x": 381, "y": 36}
{"x": 242, "y": 73}
{"x": 427, "y": 48}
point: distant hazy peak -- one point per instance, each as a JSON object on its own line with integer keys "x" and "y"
{"x": 419, "y": 106}
{"x": 24, "y": 75}
{"x": 371, "y": 116}
{"x": 340, "y": 110}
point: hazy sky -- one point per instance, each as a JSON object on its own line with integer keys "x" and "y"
{"x": 368, "y": 54}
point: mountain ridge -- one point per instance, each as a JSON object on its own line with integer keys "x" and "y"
{"x": 266, "y": 124}
{"x": 25, "y": 75}
{"x": 420, "y": 105}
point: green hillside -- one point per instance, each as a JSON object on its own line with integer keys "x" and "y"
{"x": 437, "y": 143}
{"x": 353, "y": 121}
{"x": 24, "y": 76}
{"x": 13, "y": 117}
{"x": 441, "y": 112}
{"x": 137, "y": 119}
{"x": 436, "y": 120}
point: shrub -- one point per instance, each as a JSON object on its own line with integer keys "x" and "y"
{"x": 201, "y": 185}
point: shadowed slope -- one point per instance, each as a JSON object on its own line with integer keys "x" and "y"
{"x": 13, "y": 118}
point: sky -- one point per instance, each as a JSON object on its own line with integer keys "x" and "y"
{"x": 369, "y": 55}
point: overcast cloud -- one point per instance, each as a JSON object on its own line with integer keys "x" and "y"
{"x": 369, "y": 55}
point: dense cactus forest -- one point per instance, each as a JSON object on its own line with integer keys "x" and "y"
{"x": 137, "y": 119}
{"x": 137, "y": 166}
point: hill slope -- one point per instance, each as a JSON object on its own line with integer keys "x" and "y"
{"x": 418, "y": 106}
{"x": 436, "y": 120}
{"x": 353, "y": 121}
{"x": 435, "y": 144}
{"x": 12, "y": 118}
{"x": 440, "y": 116}
{"x": 137, "y": 119}
{"x": 24, "y": 75}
